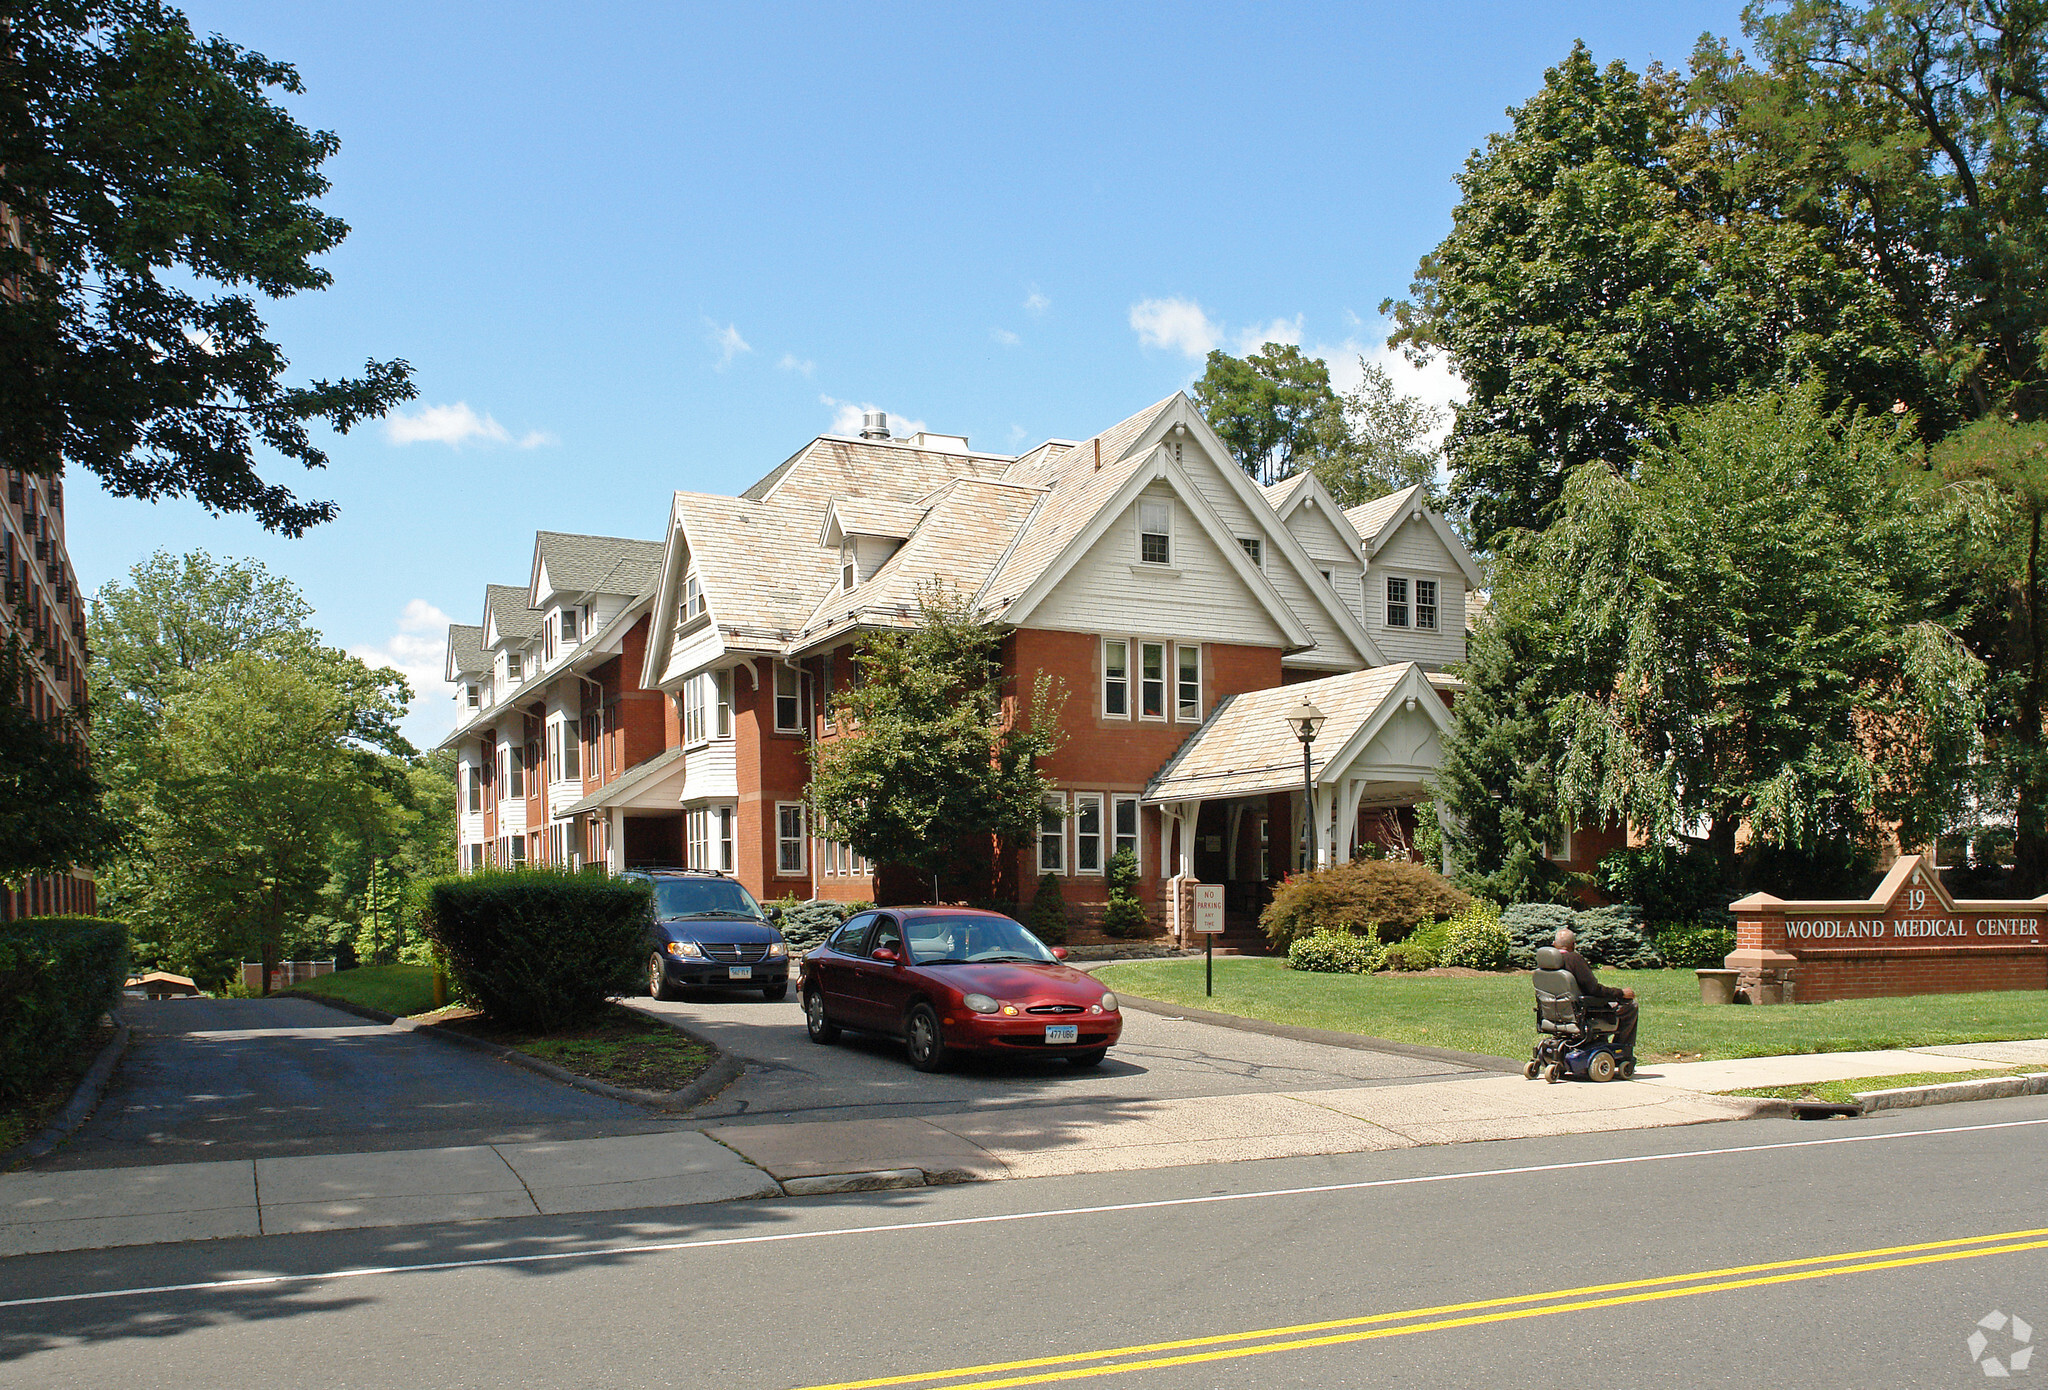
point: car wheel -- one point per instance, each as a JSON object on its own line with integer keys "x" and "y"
{"x": 1091, "y": 1058}
{"x": 1553, "y": 1073}
{"x": 775, "y": 993}
{"x": 922, "y": 1038}
{"x": 821, "y": 1028}
{"x": 1601, "y": 1067}
{"x": 658, "y": 984}
{"x": 1529, "y": 1072}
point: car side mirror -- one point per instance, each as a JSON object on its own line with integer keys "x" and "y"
{"x": 1059, "y": 953}
{"x": 886, "y": 955}
{"x": 775, "y": 915}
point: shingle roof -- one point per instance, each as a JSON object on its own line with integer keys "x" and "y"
{"x": 466, "y": 649}
{"x": 1246, "y": 748}
{"x": 599, "y": 564}
{"x": 876, "y": 516}
{"x": 1369, "y": 517}
{"x": 1278, "y": 493}
{"x": 505, "y": 606}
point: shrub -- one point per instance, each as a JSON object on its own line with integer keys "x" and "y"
{"x": 1334, "y": 951}
{"x": 1701, "y": 945}
{"x": 1476, "y": 939}
{"x": 1668, "y": 883}
{"x": 1615, "y": 936}
{"x": 539, "y": 948}
{"x": 57, "y": 976}
{"x": 1530, "y": 925}
{"x": 804, "y": 925}
{"x": 1398, "y": 896}
{"x": 1124, "y": 916}
{"x": 1049, "y": 912}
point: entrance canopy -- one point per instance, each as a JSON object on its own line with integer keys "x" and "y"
{"x": 1380, "y": 744}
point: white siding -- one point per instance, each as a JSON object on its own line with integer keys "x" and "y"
{"x": 1414, "y": 552}
{"x": 1406, "y": 743}
{"x": 711, "y": 773}
{"x": 1202, "y": 596}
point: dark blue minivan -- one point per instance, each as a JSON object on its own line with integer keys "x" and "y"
{"x": 706, "y": 931}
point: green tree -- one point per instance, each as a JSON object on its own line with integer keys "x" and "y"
{"x": 261, "y": 761}
{"x": 51, "y": 812}
{"x": 143, "y": 166}
{"x": 931, "y": 764}
{"x": 1275, "y": 408}
{"x": 1388, "y": 442}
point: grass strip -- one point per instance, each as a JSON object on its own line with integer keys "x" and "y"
{"x": 620, "y": 1047}
{"x": 1846, "y": 1090}
{"x": 396, "y": 989}
{"x": 1494, "y": 1014}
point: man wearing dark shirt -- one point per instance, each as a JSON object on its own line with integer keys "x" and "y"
{"x": 1622, "y": 1002}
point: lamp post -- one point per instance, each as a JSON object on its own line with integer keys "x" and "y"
{"x": 1305, "y": 721}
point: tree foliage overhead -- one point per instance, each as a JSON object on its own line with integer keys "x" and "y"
{"x": 1275, "y": 408}
{"x": 1388, "y": 442}
{"x": 934, "y": 754}
{"x": 156, "y": 189}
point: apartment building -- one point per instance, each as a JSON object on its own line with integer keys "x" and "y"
{"x": 669, "y": 721}
{"x": 44, "y": 612}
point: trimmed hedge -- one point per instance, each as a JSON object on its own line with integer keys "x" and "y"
{"x": 1335, "y": 951}
{"x": 539, "y": 948}
{"x": 57, "y": 976}
{"x": 1393, "y": 895}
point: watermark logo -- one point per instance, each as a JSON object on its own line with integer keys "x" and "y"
{"x": 2017, "y": 1344}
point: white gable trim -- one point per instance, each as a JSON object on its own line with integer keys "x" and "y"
{"x": 1418, "y": 508}
{"x": 1162, "y": 468}
{"x": 538, "y": 590}
{"x": 1414, "y": 684}
{"x": 1183, "y": 412}
{"x": 1312, "y": 486}
{"x": 661, "y": 632}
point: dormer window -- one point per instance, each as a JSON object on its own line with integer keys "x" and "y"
{"x": 512, "y": 666}
{"x": 475, "y": 695}
{"x": 692, "y": 606}
{"x": 849, "y": 569}
{"x": 569, "y": 625}
{"x": 1155, "y": 532}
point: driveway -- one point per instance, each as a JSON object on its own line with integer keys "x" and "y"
{"x": 1160, "y": 1058}
{"x": 265, "y": 1078}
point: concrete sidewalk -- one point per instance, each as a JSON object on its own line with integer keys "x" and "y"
{"x": 1807, "y": 1068}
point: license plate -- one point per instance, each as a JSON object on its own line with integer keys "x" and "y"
{"x": 1062, "y": 1032}
{"x": 740, "y": 972}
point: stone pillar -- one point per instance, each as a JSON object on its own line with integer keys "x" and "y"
{"x": 1766, "y": 972}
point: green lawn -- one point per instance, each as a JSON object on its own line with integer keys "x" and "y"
{"x": 1844, "y": 1092}
{"x": 396, "y": 989}
{"x": 1493, "y": 1014}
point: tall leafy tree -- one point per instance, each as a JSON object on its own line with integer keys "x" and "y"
{"x": 936, "y": 758}
{"x": 1275, "y": 408}
{"x": 1388, "y": 442}
{"x": 154, "y": 190}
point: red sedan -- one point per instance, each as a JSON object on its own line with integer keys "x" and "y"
{"x": 954, "y": 979}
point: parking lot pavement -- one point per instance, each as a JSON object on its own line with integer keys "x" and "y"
{"x": 1160, "y": 1058}
{"x": 208, "y": 1079}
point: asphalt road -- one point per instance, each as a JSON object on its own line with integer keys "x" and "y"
{"x": 1160, "y": 1057}
{"x": 265, "y": 1078}
{"x": 1713, "y": 1255}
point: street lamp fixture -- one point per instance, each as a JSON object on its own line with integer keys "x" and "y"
{"x": 1305, "y": 721}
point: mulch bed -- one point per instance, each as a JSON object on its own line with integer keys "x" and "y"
{"x": 620, "y": 1047}
{"x": 22, "y": 1120}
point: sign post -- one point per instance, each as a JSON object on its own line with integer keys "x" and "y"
{"x": 1209, "y": 922}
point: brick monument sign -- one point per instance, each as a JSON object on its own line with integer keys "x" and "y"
{"x": 1909, "y": 937}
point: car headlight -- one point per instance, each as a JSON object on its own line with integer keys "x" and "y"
{"x": 689, "y": 949}
{"x": 981, "y": 1003}
{"x": 1108, "y": 1002}
{"x": 777, "y": 950}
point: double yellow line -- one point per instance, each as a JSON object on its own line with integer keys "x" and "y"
{"x": 1231, "y": 1346}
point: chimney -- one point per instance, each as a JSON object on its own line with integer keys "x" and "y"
{"x": 874, "y": 424}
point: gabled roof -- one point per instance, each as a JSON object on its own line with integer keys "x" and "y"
{"x": 1283, "y": 492}
{"x": 594, "y": 565}
{"x": 1377, "y": 521}
{"x": 506, "y": 614}
{"x": 868, "y": 516}
{"x": 1371, "y": 519}
{"x": 465, "y": 651}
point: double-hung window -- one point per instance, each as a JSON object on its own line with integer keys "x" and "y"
{"x": 513, "y": 666}
{"x": 1425, "y": 604}
{"x": 1116, "y": 678}
{"x": 725, "y": 839}
{"x": 515, "y": 770}
{"x": 572, "y": 753}
{"x": 1052, "y": 835}
{"x": 693, "y": 710}
{"x": 721, "y": 697}
{"x": 789, "y": 838}
{"x": 789, "y": 714}
{"x": 1187, "y": 703}
{"x": 569, "y": 626}
{"x": 1155, "y": 531}
{"x": 696, "y": 824}
{"x": 1088, "y": 832}
{"x": 475, "y": 695}
{"x": 849, "y": 566}
{"x": 692, "y": 606}
{"x": 1124, "y": 827}
{"x": 1397, "y": 602}
{"x": 1152, "y": 680}
{"x": 476, "y": 790}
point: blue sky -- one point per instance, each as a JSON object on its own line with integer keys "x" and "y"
{"x": 630, "y": 249}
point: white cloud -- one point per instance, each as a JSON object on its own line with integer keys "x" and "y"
{"x": 1004, "y": 336}
{"x": 727, "y": 340}
{"x": 846, "y": 418}
{"x": 1251, "y": 339}
{"x": 1017, "y": 433}
{"x": 456, "y": 425}
{"x": 1178, "y": 324}
{"x": 1036, "y": 303}
{"x": 419, "y": 652}
{"x": 792, "y": 363}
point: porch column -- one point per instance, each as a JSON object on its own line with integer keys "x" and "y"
{"x": 615, "y": 839}
{"x": 1347, "y": 818}
{"x": 1326, "y": 827}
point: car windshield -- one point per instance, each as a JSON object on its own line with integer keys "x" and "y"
{"x": 703, "y": 897}
{"x": 966, "y": 940}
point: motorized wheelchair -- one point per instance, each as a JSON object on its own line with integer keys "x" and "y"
{"x": 1574, "y": 1035}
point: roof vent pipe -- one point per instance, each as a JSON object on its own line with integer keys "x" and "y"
{"x": 874, "y": 424}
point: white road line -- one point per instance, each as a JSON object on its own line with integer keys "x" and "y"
{"x": 667, "y": 1247}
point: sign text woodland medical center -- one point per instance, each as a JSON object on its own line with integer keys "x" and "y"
{"x": 1909, "y": 937}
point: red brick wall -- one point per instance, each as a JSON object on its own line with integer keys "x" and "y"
{"x": 1765, "y": 954}
{"x": 771, "y": 768}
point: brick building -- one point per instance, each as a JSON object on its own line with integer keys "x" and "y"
{"x": 45, "y": 613}
{"x": 652, "y": 702}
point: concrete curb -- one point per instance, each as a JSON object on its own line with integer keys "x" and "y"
{"x": 84, "y": 1100}
{"x": 725, "y": 1068}
{"x": 1356, "y": 1042}
{"x": 1985, "y": 1088}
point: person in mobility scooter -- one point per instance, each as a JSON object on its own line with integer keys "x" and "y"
{"x": 1584, "y": 1029}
